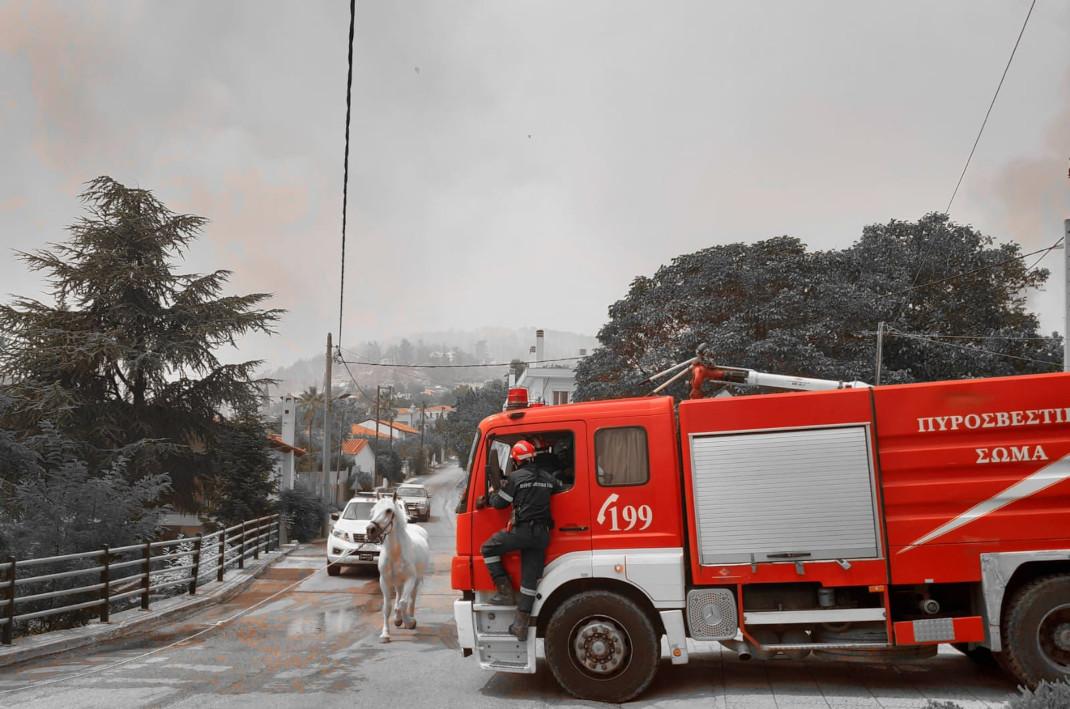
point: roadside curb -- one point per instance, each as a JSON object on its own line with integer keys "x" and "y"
{"x": 135, "y": 620}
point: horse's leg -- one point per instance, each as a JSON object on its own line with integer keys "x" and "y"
{"x": 406, "y": 595}
{"x": 399, "y": 605}
{"x": 411, "y": 621}
{"x": 388, "y": 596}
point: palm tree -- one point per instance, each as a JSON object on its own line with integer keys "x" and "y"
{"x": 312, "y": 400}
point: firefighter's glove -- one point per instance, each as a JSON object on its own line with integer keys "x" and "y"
{"x": 481, "y": 502}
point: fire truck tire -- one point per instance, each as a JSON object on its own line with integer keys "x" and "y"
{"x": 1036, "y": 631}
{"x": 601, "y": 646}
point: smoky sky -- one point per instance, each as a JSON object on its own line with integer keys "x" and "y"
{"x": 519, "y": 163}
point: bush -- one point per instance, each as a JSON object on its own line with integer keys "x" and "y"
{"x": 304, "y": 513}
{"x": 1047, "y": 695}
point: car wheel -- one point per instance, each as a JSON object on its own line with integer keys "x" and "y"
{"x": 1036, "y": 631}
{"x": 333, "y": 569}
{"x": 601, "y": 646}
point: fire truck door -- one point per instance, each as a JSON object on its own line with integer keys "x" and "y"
{"x": 570, "y": 509}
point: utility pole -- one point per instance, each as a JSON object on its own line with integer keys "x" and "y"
{"x": 880, "y": 352}
{"x": 423, "y": 425}
{"x": 1066, "y": 311}
{"x": 327, "y": 421}
{"x": 378, "y": 393}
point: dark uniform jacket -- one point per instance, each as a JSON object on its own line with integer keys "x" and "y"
{"x": 528, "y": 490}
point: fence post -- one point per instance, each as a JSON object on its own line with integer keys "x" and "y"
{"x": 146, "y": 567}
{"x": 196, "y": 564}
{"x": 241, "y": 549}
{"x": 105, "y": 593}
{"x": 9, "y": 611}
{"x": 222, "y": 555}
{"x": 256, "y": 540}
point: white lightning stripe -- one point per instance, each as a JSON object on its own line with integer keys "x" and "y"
{"x": 1049, "y": 475}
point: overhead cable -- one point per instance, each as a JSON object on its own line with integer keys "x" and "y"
{"x": 971, "y": 348}
{"x": 990, "y": 106}
{"x": 345, "y": 170}
{"x": 980, "y": 269}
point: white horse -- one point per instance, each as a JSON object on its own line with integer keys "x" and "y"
{"x": 403, "y": 561}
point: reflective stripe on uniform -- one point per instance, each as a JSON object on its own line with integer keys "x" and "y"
{"x": 527, "y": 591}
{"x": 505, "y": 496}
{"x": 491, "y": 559}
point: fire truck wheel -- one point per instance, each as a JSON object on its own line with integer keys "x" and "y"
{"x": 1036, "y": 631}
{"x": 602, "y": 646}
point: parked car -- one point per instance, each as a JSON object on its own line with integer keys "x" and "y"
{"x": 417, "y": 501}
{"x": 348, "y": 544}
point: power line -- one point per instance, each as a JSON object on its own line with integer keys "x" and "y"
{"x": 345, "y": 169}
{"x": 981, "y": 269}
{"x": 990, "y": 106}
{"x": 1014, "y": 338}
{"x": 350, "y": 373}
{"x": 971, "y": 348}
{"x": 1045, "y": 254}
{"x": 458, "y": 366}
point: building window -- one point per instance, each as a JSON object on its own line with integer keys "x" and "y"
{"x": 560, "y": 397}
{"x": 621, "y": 456}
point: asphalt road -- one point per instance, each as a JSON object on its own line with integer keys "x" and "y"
{"x": 316, "y": 646}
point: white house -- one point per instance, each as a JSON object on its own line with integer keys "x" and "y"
{"x": 386, "y": 430}
{"x": 411, "y": 416}
{"x": 547, "y": 383}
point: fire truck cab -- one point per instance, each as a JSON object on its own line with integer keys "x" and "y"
{"x": 855, "y": 521}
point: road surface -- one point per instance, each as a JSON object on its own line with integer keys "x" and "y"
{"x": 316, "y": 645}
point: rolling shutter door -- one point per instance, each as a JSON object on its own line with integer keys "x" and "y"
{"x": 801, "y": 494}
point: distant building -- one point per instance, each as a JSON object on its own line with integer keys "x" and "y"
{"x": 358, "y": 454}
{"x": 410, "y": 416}
{"x": 386, "y": 430}
{"x": 548, "y": 382}
{"x": 284, "y": 455}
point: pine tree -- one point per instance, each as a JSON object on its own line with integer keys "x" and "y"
{"x": 125, "y": 359}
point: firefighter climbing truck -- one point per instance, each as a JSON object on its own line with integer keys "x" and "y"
{"x": 839, "y": 518}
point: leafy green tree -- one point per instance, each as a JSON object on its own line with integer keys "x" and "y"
{"x": 776, "y": 306}
{"x": 241, "y": 477}
{"x": 311, "y": 403}
{"x": 473, "y": 405}
{"x": 124, "y": 360}
{"x": 57, "y": 506}
{"x": 388, "y": 462}
{"x": 304, "y": 512}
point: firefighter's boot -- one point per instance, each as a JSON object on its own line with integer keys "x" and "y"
{"x": 520, "y": 627}
{"x": 504, "y": 596}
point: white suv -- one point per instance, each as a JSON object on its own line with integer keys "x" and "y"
{"x": 347, "y": 543}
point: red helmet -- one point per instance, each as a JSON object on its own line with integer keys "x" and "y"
{"x": 523, "y": 450}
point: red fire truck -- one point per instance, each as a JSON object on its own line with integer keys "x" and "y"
{"x": 839, "y": 518}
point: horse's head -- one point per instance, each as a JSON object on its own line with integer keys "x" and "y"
{"x": 386, "y": 513}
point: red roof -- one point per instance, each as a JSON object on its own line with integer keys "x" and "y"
{"x": 353, "y": 446}
{"x": 275, "y": 441}
{"x": 401, "y": 427}
{"x": 358, "y": 430}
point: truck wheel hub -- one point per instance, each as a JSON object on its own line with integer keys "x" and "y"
{"x": 1062, "y": 637}
{"x": 600, "y": 647}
